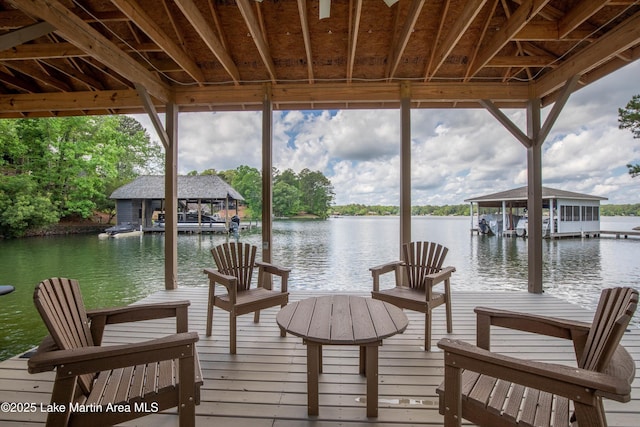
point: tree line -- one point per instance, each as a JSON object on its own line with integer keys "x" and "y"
{"x": 54, "y": 168}
{"x": 361, "y": 210}
{"x": 458, "y": 210}
{"x": 306, "y": 192}
{"x": 60, "y": 168}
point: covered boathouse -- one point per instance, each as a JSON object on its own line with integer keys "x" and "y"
{"x": 137, "y": 201}
{"x": 566, "y": 214}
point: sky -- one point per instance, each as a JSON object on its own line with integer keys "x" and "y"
{"x": 456, "y": 154}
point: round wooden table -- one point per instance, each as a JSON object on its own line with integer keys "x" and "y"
{"x": 342, "y": 320}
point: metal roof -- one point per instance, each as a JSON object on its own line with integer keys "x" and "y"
{"x": 77, "y": 57}
{"x": 204, "y": 187}
{"x": 518, "y": 197}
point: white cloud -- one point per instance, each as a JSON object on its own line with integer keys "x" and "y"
{"x": 456, "y": 154}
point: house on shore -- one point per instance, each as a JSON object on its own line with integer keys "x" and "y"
{"x": 566, "y": 213}
{"x": 137, "y": 201}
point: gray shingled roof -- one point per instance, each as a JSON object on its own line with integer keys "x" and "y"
{"x": 206, "y": 187}
{"x": 520, "y": 194}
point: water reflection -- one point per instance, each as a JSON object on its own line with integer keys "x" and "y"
{"x": 333, "y": 255}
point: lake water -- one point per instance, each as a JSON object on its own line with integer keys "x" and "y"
{"x": 333, "y": 255}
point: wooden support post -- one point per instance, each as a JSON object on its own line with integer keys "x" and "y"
{"x": 533, "y": 140}
{"x": 171, "y": 200}
{"x": 267, "y": 172}
{"x": 534, "y": 196}
{"x": 405, "y": 165}
{"x": 169, "y": 139}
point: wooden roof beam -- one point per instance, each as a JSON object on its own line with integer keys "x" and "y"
{"x": 254, "y": 28}
{"x": 78, "y": 101}
{"x": 34, "y": 70}
{"x": 75, "y": 30}
{"x": 577, "y": 15}
{"x": 149, "y": 26}
{"x": 525, "y": 12}
{"x": 41, "y": 51}
{"x": 444, "y": 8}
{"x": 465, "y": 19}
{"x": 355, "y": 15}
{"x": 402, "y": 40}
{"x": 522, "y": 61}
{"x": 89, "y": 82}
{"x": 304, "y": 23}
{"x": 549, "y": 31}
{"x": 209, "y": 37}
{"x": 23, "y": 35}
{"x": 621, "y": 38}
{"x": 18, "y": 83}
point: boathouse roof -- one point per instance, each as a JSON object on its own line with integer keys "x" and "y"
{"x": 90, "y": 56}
{"x": 518, "y": 197}
{"x": 204, "y": 187}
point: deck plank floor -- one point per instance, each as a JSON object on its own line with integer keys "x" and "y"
{"x": 265, "y": 383}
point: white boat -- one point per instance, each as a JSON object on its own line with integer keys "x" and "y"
{"x": 491, "y": 224}
{"x": 522, "y": 229}
{"x": 119, "y": 231}
{"x": 190, "y": 220}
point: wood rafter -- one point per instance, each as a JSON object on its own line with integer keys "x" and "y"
{"x": 576, "y": 16}
{"x": 23, "y": 35}
{"x": 78, "y": 32}
{"x": 402, "y": 40}
{"x": 621, "y": 38}
{"x": 504, "y": 50}
{"x": 148, "y": 26}
{"x": 254, "y": 28}
{"x": 208, "y": 35}
{"x": 355, "y": 15}
{"x": 525, "y": 12}
{"x": 455, "y": 33}
{"x": 35, "y": 71}
{"x": 436, "y": 40}
{"x": 304, "y": 24}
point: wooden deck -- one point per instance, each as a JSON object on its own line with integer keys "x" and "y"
{"x": 265, "y": 383}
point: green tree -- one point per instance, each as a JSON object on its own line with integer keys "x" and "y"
{"x": 629, "y": 118}
{"x": 23, "y": 205}
{"x": 316, "y": 191}
{"x": 73, "y": 162}
{"x": 286, "y": 199}
{"x": 248, "y": 182}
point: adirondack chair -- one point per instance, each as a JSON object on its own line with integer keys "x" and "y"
{"x": 415, "y": 278}
{"x": 105, "y": 385}
{"x": 235, "y": 264}
{"x": 490, "y": 389}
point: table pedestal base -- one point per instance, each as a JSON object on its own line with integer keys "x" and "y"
{"x": 368, "y": 367}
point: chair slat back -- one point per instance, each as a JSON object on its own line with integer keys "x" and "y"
{"x": 61, "y": 307}
{"x": 236, "y": 259}
{"x": 421, "y": 259}
{"x": 614, "y": 312}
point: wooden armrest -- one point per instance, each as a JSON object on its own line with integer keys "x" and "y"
{"x": 229, "y": 282}
{"x": 385, "y": 268}
{"x": 46, "y": 345}
{"x": 273, "y": 269}
{"x": 282, "y": 272}
{"x": 440, "y": 276}
{"x": 543, "y": 325}
{"x": 86, "y": 360}
{"x": 379, "y": 270}
{"x": 573, "y": 383}
{"x": 138, "y": 312}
